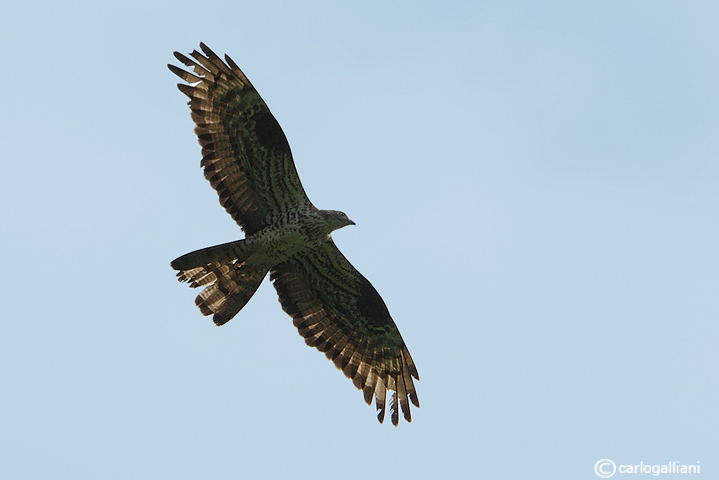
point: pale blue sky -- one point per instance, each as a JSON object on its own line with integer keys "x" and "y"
{"x": 536, "y": 191}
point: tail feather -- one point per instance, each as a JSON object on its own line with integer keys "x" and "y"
{"x": 237, "y": 250}
{"x": 229, "y": 283}
{"x": 229, "y": 294}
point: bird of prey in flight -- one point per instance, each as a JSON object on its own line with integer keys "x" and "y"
{"x": 247, "y": 160}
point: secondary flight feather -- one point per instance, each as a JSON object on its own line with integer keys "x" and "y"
{"x": 247, "y": 160}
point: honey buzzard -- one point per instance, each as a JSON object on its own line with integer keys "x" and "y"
{"x": 247, "y": 160}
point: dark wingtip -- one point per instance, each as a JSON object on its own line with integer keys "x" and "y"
{"x": 407, "y": 414}
{"x": 176, "y": 70}
{"x": 186, "y": 89}
{"x": 181, "y": 57}
{"x": 207, "y": 50}
{"x": 231, "y": 63}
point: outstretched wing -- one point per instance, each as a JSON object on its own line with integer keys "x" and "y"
{"x": 340, "y": 313}
{"x": 246, "y": 156}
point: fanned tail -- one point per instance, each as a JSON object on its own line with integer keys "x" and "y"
{"x": 229, "y": 282}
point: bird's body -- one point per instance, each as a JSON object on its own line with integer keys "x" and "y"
{"x": 287, "y": 237}
{"x": 247, "y": 159}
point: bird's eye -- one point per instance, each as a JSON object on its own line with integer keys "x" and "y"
{"x": 343, "y": 214}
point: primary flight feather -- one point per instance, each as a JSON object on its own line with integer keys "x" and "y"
{"x": 247, "y": 160}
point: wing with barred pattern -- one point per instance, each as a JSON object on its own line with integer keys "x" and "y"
{"x": 339, "y": 312}
{"x": 245, "y": 154}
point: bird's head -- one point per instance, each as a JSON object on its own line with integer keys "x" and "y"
{"x": 336, "y": 219}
